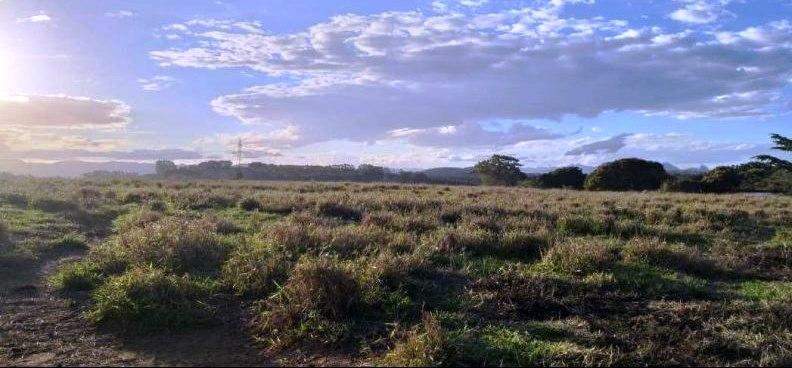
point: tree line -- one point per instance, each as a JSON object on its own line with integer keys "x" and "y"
{"x": 263, "y": 171}
{"x": 765, "y": 174}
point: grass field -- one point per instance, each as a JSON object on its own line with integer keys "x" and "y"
{"x": 413, "y": 275}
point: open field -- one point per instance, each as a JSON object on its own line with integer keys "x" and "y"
{"x": 223, "y": 272}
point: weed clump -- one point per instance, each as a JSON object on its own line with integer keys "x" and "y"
{"x": 175, "y": 244}
{"x": 3, "y": 232}
{"x": 250, "y": 204}
{"x": 54, "y": 205}
{"x": 255, "y": 269}
{"x": 338, "y": 210}
{"x": 78, "y": 276}
{"x": 425, "y": 346}
{"x": 314, "y": 304}
{"x": 71, "y": 240}
{"x": 580, "y": 255}
{"x": 15, "y": 199}
{"x": 150, "y": 299}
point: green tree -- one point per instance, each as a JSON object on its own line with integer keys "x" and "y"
{"x": 499, "y": 170}
{"x": 165, "y": 168}
{"x": 627, "y": 174}
{"x": 722, "y": 179}
{"x": 565, "y": 177}
{"x": 782, "y": 144}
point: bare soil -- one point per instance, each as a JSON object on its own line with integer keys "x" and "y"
{"x": 39, "y": 328}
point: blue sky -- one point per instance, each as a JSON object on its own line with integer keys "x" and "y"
{"x": 406, "y": 84}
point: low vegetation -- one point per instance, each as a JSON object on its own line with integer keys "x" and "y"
{"x": 423, "y": 274}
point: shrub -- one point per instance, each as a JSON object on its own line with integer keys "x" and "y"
{"x": 136, "y": 219}
{"x": 318, "y": 296}
{"x": 3, "y": 232}
{"x": 203, "y": 200}
{"x": 254, "y": 269}
{"x": 151, "y": 299}
{"x": 78, "y": 276}
{"x": 424, "y": 346}
{"x": 249, "y": 204}
{"x": 158, "y": 205}
{"x": 627, "y": 174}
{"x": 676, "y": 257}
{"x": 54, "y": 205}
{"x": 179, "y": 245}
{"x": 684, "y": 185}
{"x": 71, "y": 240}
{"x": 580, "y": 255}
{"x": 565, "y": 177}
{"x": 579, "y": 225}
{"x": 722, "y": 179}
{"x": 14, "y": 199}
{"x": 133, "y": 197}
{"x": 338, "y": 210}
{"x": 226, "y": 227}
{"x": 515, "y": 294}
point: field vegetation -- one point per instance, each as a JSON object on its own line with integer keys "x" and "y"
{"x": 397, "y": 274}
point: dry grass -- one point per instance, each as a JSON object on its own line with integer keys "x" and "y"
{"x": 428, "y": 275}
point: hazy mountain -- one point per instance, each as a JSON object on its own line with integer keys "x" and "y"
{"x": 71, "y": 169}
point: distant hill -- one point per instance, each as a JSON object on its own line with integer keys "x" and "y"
{"x": 673, "y": 170}
{"x": 460, "y": 175}
{"x": 72, "y": 169}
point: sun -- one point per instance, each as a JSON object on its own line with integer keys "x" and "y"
{"x": 7, "y": 74}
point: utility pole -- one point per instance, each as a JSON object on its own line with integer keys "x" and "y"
{"x": 239, "y": 152}
{"x": 239, "y": 159}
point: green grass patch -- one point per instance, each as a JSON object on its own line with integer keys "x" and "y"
{"x": 150, "y": 299}
{"x": 79, "y": 276}
{"x": 771, "y": 291}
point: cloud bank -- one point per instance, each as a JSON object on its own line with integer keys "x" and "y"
{"x": 369, "y": 77}
{"x": 62, "y": 112}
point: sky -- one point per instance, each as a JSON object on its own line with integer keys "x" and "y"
{"x": 403, "y": 84}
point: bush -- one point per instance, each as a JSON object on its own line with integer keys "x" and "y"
{"x": 203, "y": 200}
{"x": 424, "y": 346}
{"x": 178, "y": 245}
{"x": 627, "y": 174}
{"x": 254, "y": 269}
{"x": 338, "y": 210}
{"x": 675, "y": 257}
{"x": 317, "y": 299}
{"x": 54, "y": 205}
{"x": 250, "y": 204}
{"x": 565, "y": 177}
{"x": 14, "y": 199}
{"x": 3, "y": 232}
{"x": 71, "y": 240}
{"x": 79, "y": 276}
{"x": 150, "y": 299}
{"x": 684, "y": 185}
{"x": 580, "y": 256}
{"x": 722, "y": 179}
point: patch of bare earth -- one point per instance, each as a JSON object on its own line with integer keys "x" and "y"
{"x": 38, "y": 328}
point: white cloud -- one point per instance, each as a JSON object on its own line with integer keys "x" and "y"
{"x": 37, "y": 112}
{"x": 156, "y": 83}
{"x": 679, "y": 149}
{"x": 120, "y": 14}
{"x": 362, "y": 77}
{"x": 472, "y": 135}
{"x": 38, "y": 18}
{"x": 700, "y": 11}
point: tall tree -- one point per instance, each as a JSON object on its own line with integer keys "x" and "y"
{"x": 782, "y": 144}
{"x": 499, "y": 170}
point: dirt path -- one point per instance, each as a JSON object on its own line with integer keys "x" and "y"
{"x": 38, "y": 328}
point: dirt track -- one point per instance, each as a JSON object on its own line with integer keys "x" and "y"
{"x": 38, "y": 328}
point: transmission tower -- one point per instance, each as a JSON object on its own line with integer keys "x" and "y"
{"x": 239, "y": 152}
{"x": 239, "y": 159}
